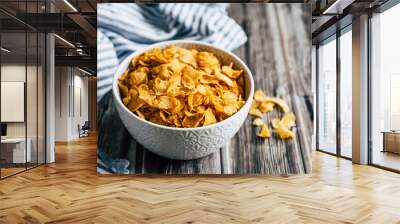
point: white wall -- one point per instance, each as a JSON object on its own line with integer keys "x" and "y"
{"x": 70, "y": 83}
{"x": 11, "y": 73}
{"x": 80, "y": 94}
{"x": 61, "y": 103}
{"x": 33, "y": 127}
{"x": 16, "y": 72}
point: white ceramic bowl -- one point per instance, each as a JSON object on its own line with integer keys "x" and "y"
{"x": 184, "y": 143}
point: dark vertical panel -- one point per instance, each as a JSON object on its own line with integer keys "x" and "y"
{"x": 1, "y": 165}
{"x": 37, "y": 90}
{"x": 92, "y": 99}
{"x": 317, "y": 97}
{"x": 73, "y": 91}
{"x": 26, "y": 87}
{"x": 369, "y": 101}
{"x": 338, "y": 95}
{"x": 46, "y": 4}
{"x": 45, "y": 95}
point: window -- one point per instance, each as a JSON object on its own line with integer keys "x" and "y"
{"x": 385, "y": 89}
{"x": 346, "y": 92}
{"x": 22, "y": 75}
{"x": 330, "y": 132}
{"x": 327, "y": 96}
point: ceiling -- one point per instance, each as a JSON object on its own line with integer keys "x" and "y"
{"x": 16, "y": 42}
{"x": 330, "y": 15}
{"x": 74, "y": 22}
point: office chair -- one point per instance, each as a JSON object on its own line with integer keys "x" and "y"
{"x": 84, "y": 130}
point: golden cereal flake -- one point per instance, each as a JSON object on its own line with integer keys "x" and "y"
{"x": 283, "y": 132}
{"x": 209, "y": 117}
{"x": 282, "y": 104}
{"x": 275, "y": 123}
{"x": 230, "y": 72}
{"x": 255, "y": 112}
{"x": 282, "y": 127}
{"x": 258, "y": 122}
{"x": 192, "y": 121}
{"x": 264, "y": 132}
{"x": 260, "y": 97}
{"x": 288, "y": 120}
{"x": 266, "y": 107}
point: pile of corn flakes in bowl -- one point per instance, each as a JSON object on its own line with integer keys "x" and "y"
{"x": 179, "y": 87}
{"x": 183, "y": 99}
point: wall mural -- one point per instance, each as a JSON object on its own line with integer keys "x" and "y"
{"x": 204, "y": 88}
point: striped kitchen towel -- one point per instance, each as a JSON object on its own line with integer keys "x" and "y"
{"x": 126, "y": 27}
{"x": 107, "y": 165}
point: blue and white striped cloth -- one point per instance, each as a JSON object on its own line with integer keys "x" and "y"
{"x": 107, "y": 165}
{"x": 123, "y": 28}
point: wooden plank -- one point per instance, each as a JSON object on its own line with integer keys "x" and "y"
{"x": 298, "y": 59}
{"x": 70, "y": 191}
{"x": 267, "y": 55}
{"x": 149, "y": 163}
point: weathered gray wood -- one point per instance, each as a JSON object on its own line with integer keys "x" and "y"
{"x": 278, "y": 53}
{"x": 298, "y": 59}
{"x": 149, "y": 163}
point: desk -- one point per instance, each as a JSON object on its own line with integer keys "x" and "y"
{"x": 13, "y": 150}
{"x": 391, "y": 141}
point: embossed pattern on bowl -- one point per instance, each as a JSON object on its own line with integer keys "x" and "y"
{"x": 184, "y": 143}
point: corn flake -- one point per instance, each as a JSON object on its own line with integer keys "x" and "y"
{"x": 258, "y": 122}
{"x": 266, "y": 107}
{"x": 288, "y": 120}
{"x": 230, "y": 72}
{"x": 282, "y": 127}
{"x": 255, "y": 112}
{"x": 260, "y": 97}
{"x": 192, "y": 121}
{"x": 209, "y": 117}
{"x": 284, "y": 132}
{"x": 275, "y": 123}
{"x": 264, "y": 132}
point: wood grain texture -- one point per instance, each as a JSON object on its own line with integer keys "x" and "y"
{"x": 278, "y": 52}
{"x": 273, "y": 52}
{"x": 71, "y": 191}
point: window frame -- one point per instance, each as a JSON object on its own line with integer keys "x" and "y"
{"x": 337, "y": 35}
{"x": 381, "y": 9}
{"x": 31, "y": 30}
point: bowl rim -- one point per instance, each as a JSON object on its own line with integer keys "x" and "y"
{"x": 118, "y": 73}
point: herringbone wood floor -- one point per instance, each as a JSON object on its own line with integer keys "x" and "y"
{"x": 70, "y": 191}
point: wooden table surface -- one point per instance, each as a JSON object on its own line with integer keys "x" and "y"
{"x": 278, "y": 52}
